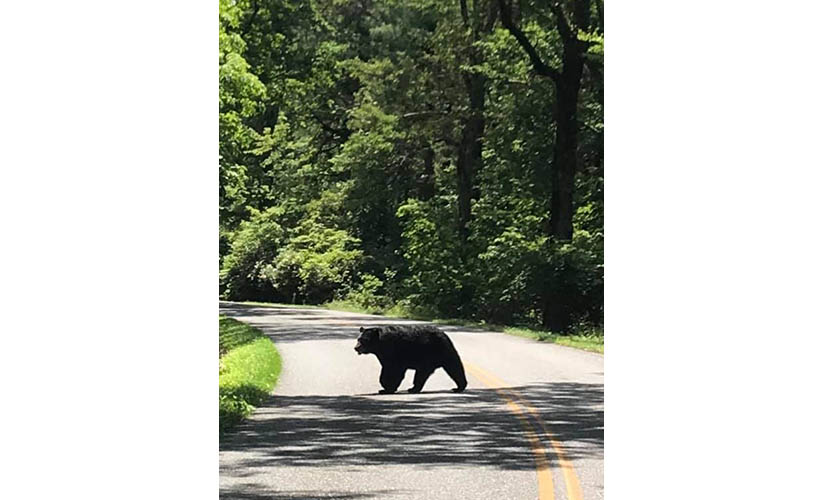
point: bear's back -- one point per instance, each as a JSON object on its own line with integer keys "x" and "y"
{"x": 414, "y": 345}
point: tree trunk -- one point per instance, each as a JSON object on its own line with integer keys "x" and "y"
{"x": 477, "y": 24}
{"x": 565, "y": 156}
{"x": 555, "y": 316}
{"x": 469, "y": 152}
{"x": 468, "y": 164}
{"x": 427, "y": 182}
{"x": 555, "y": 312}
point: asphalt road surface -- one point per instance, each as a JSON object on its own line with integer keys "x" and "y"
{"x": 529, "y": 425}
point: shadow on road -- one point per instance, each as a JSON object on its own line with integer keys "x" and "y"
{"x": 294, "y": 325}
{"x": 430, "y": 429}
{"x": 265, "y": 494}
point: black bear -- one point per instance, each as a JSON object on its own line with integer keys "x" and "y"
{"x": 415, "y": 347}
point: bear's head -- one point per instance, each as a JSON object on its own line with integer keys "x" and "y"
{"x": 368, "y": 340}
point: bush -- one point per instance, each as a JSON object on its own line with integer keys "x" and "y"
{"x": 369, "y": 294}
{"x": 255, "y": 244}
{"x": 435, "y": 274}
{"x": 573, "y": 281}
{"x": 530, "y": 280}
{"x": 315, "y": 266}
{"x": 508, "y": 289}
{"x": 249, "y": 366}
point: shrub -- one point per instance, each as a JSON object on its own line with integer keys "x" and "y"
{"x": 369, "y": 294}
{"x": 249, "y": 366}
{"x": 573, "y": 281}
{"x": 255, "y": 244}
{"x": 429, "y": 245}
{"x": 508, "y": 289}
{"x": 315, "y": 266}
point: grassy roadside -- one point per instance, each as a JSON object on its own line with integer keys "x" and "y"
{"x": 249, "y": 367}
{"x": 592, "y": 340}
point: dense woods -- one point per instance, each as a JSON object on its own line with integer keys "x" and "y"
{"x": 444, "y": 157}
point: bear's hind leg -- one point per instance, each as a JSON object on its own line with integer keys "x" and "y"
{"x": 422, "y": 374}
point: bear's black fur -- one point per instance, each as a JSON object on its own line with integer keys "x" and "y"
{"x": 415, "y": 347}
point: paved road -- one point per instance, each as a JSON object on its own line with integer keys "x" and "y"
{"x": 529, "y": 425}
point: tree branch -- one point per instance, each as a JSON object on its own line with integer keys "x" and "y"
{"x": 464, "y": 16}
{"x": 248, "y": 22}
{"x": 340, "y": 133}
{"x": 492, "y": 16}
{"x": 563, "y": 26}
{"x": 599, "y": 7}
{"x": 538, "y": 64}
{"x": 424, "y": 114}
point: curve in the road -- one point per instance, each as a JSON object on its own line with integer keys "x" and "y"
{"x": 327, "y": 434}
{"x": 546, "y": 489}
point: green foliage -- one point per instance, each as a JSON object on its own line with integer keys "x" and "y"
{"x": 315, "y": 264}
{"x": 369, "y": 294}
{"x": 575, "y": 271}
{"x": 233, "y": 334}
{"x": 249, "y": 367}
{"x": 511, "y": 265}
{"x": 311, "y": 263}
{"x": 253, "y": 246}
{"x": 434, "y": 271}
{"x": 341, "y": 125}
{"x": 588, "y": 340}
{"x": 241, "y": 97}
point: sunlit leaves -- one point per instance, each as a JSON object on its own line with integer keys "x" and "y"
{"x": 347, "y": 117}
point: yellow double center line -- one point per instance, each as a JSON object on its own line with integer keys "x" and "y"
{"x": 520, "y": 407}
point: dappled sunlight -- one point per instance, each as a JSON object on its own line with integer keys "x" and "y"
{"x": 431, "y": 429}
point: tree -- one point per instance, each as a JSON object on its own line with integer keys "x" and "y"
{"x": 573, "y": 32}
{"x": 477, "y": 22}
{"x": 409, "y": 153}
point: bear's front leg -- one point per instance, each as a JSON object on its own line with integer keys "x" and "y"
{"x": 422, "y": 374}
{"x": 390, "y": 379}
{"x": 455, "y": 370}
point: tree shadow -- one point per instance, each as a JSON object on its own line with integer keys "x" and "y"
{"x": 427, "y": 429}
{"x": 431, "y": 429}
{"x": 294, "y": 325}
{"x": 265, "y": 494}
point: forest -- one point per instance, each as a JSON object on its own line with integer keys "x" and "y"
{"x": 433, "y": 157}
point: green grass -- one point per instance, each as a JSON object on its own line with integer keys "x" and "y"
{"x": 249, "y": 366}
{"x": 588, "y": 339}
{"x": 280, "y": 304}
{"x": 344, "y": 305}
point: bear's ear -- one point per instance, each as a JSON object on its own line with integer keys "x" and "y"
{"x": 361, "y": 329}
